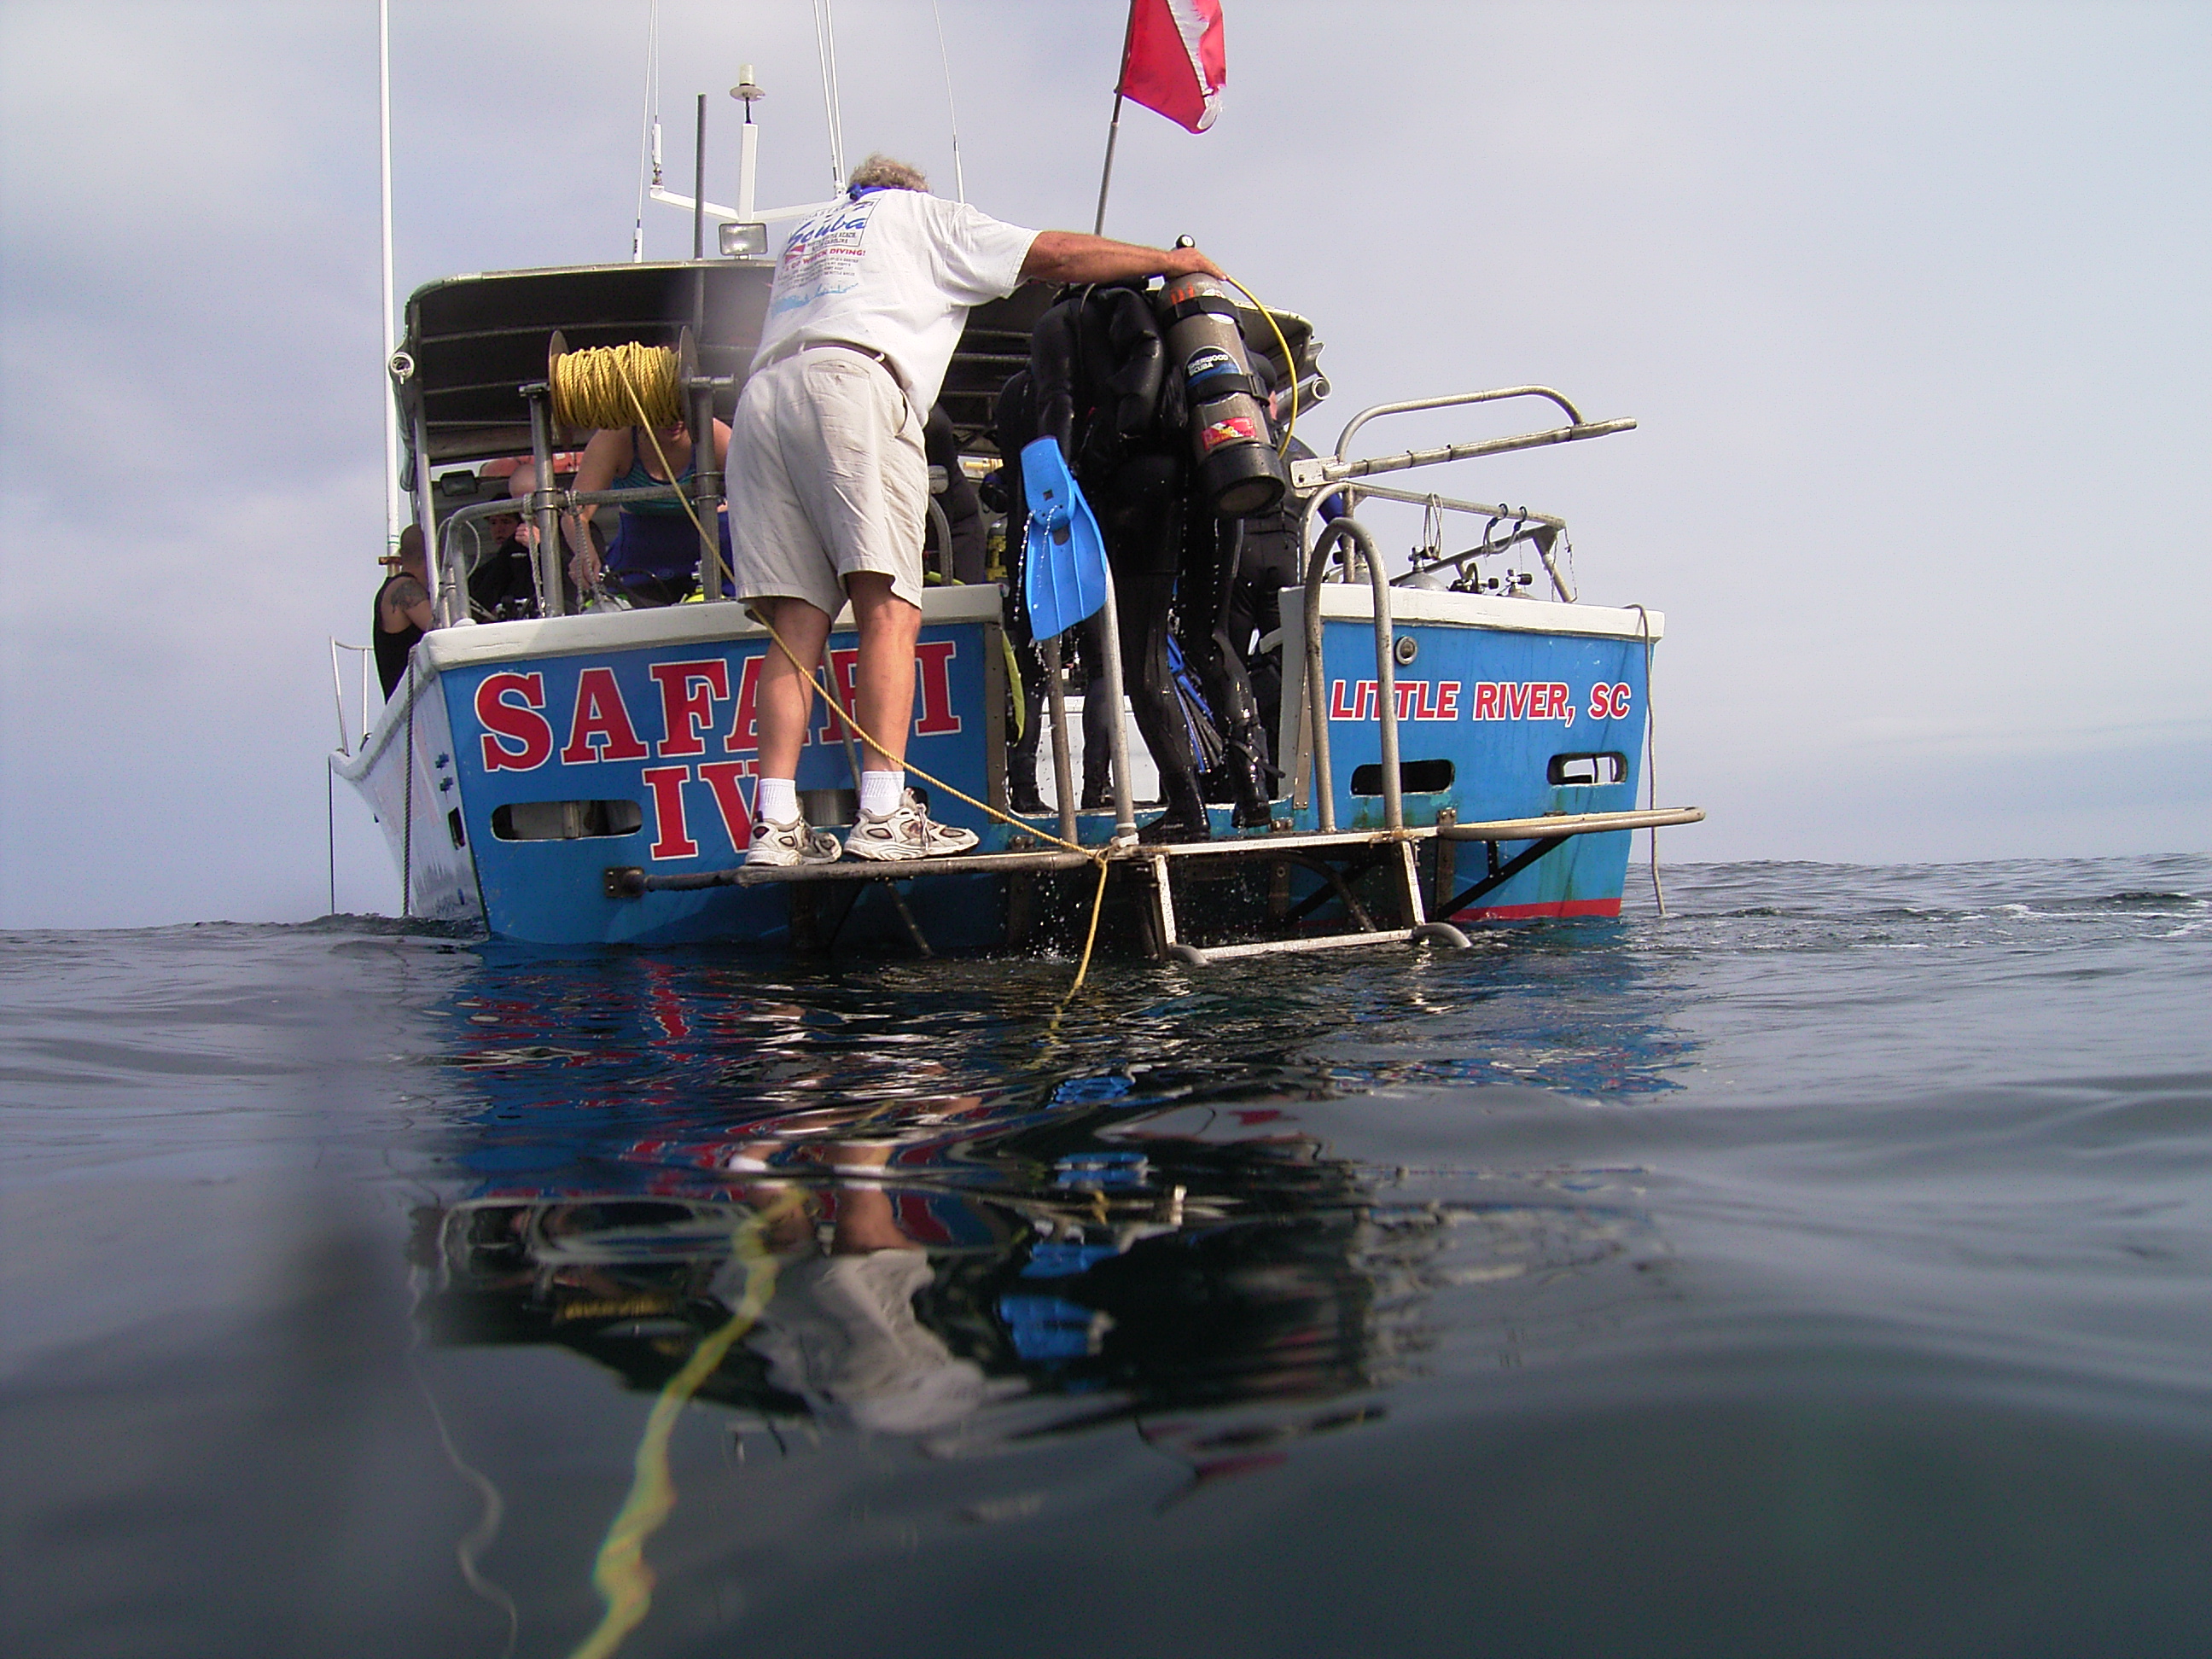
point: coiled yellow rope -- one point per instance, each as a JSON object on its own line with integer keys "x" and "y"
{"x": 601, "y": 386}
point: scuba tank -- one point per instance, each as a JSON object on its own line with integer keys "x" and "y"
{"x": 1235, "y": 467}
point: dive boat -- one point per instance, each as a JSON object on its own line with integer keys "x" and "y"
{"x": 1456, "y": 749}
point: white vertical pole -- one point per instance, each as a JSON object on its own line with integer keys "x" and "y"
{"x": 390, "y": 406}
{"x": 748, "y": 163}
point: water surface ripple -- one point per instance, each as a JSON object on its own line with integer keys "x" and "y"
{"x": 1822, "y": 1269}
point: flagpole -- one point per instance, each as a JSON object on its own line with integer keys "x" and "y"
{"x": 1105, "y": 178}
{"x": 1114, "y": 128}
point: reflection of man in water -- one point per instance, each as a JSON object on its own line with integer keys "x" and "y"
{"x": 841, "y": 1331}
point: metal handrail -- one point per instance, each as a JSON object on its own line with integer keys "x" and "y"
{"x": 1348, "y": 529}
{"x": 337, "y": 691}
{"x": 1311, "y": 478}
{"x": 1454, "y": 400}
{"x": 1316, "y": 474}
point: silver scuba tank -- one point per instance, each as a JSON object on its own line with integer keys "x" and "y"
{"x": 1236, "y": 467}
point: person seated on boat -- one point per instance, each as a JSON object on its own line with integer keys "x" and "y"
{"x": 653, "y": 559}
{"x": 402, "y": 608}
{"x": 830, "y": 476}
{"x": 503, "y": 581}
{"x": 954, "y": 491}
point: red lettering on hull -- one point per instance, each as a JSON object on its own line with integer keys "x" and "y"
{"x": 744, "y": 728}
{"x": 844, "y": 671}
{"x": 601, "y": 730}
{"x": 672, "y": 839}
{"x": 517, "y": 736}
{"x": 932, "y": 662}
{"x": 722, "y": 777}
{"x": 689, "y": 691}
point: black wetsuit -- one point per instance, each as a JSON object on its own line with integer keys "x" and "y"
{"x": 963, "y": 511}
{"x": 1269, "y": 563}
{"x": 392, "y": 649}
{"x": 1103, "y": 388}
{"x": 504, "y": 584}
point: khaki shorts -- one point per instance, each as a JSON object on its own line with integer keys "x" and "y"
{"x": 826, "y": 477}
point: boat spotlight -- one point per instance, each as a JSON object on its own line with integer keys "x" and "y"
{"x": 745, "y": 240}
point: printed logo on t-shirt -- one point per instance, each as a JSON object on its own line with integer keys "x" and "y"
{"x": 823, "y": 255}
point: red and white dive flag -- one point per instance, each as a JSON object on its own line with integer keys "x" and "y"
{"x": 1175, "y": 62}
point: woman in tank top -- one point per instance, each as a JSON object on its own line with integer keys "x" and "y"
{"x": 654, "y": 558}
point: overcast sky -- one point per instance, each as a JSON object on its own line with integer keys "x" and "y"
{"x": 1913, "y": 303}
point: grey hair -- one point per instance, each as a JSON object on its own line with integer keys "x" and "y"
{"x": 880, "y": 172}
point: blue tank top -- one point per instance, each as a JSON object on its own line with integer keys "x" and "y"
{"x": 638, "y": 478}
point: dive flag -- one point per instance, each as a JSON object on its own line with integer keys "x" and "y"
{"x": 1174, "y": 61}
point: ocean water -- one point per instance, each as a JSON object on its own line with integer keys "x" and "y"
{"x": 1820, "y": 1270}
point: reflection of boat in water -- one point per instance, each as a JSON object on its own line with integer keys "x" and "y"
{"x": 1455, "y": 747}
{"x": 1061, "y": 1266}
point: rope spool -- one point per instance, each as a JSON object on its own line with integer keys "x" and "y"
{"x": 593, "y": 388}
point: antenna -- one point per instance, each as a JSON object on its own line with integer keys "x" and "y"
{"x": 648, "y": 137}
{"x": 825, "y": 50}
{"x": 747, "y": 92}
{"x": 959, "y": 178}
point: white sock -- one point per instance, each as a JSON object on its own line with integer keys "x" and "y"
{"x": 882, "y": 792}
{"x": 775, "y": 801}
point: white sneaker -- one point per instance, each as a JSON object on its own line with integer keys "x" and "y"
{"x": 777, "y": 844}
{"x": 905, "y": 832}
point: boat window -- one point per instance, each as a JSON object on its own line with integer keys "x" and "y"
{"x": 1419, "y": 777}
{"x": 565, "y": 820}
{"x": 1609, "y": 767}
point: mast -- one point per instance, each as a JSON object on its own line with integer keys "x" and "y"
{"x": 390, "y": 343}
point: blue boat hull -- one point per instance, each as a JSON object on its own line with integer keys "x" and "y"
{"x": 530, "y": 759}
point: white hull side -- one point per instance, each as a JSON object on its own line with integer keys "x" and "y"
{"x": 420, "y": 824}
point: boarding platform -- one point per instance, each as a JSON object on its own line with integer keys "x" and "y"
{"x": 1330, "y": 914}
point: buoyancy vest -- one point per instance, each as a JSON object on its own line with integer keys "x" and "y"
{"x": 1098, "y": 366}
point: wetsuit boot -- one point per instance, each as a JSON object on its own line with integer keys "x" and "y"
{"x": 1247, "y": 775}
{"x": 1185, "y": 818}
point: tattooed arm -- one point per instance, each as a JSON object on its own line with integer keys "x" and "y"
{"x": 405, "y": 601}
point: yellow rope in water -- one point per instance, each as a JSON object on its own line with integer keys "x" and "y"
{"x": 813, "y": 690}
{"x": 620, "y": 1574}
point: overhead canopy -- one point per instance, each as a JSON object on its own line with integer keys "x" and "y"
{"x": 473, "y": 342}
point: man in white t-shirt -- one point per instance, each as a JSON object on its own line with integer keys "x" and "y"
{"x": 829, "y": 486}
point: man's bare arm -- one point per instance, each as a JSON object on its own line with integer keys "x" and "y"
{"x": 1069, "y": 256}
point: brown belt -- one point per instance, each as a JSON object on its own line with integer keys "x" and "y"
{"x": 889, "y": 367}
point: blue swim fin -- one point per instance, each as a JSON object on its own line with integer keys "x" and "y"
{"x": 1064, "y": 561}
